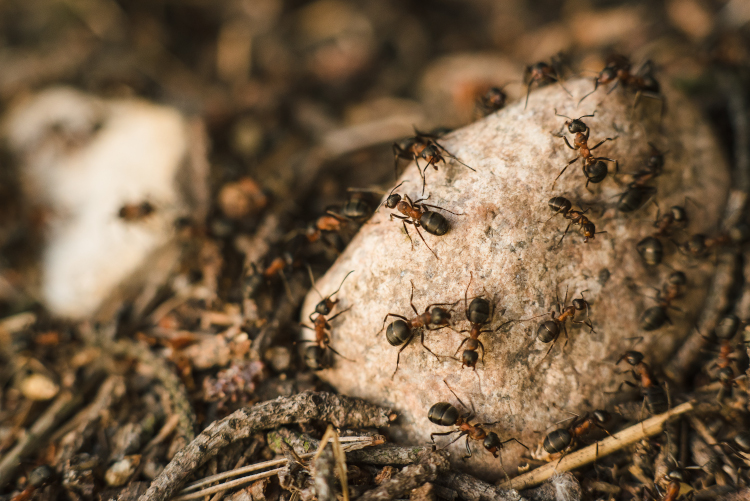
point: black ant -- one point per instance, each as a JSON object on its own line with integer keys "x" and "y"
{"x": 549, "y": 331}
{"x": 492, "y": 100}
{"x": 655, "y": 397}
{"x": 699, "y": 245}
{"x": 617, "y": 69}
{"x": 543, "y": 74}
{"x": 562, "y": 205}
{"x": 656, "y": 316}
{"x": 564, "y": 439}
{"x": 445, "y": 414}
{"x": 417, "y": 214}
{"x": 638, "y": 192}
{"x": 651, "y": 250}
{"x": 594, "y": 168}
{"x": 315, "y": 354}
{"x": 136, "y": 212}
{"x": 400, "y": 332}
{"x": 479, "y": 313}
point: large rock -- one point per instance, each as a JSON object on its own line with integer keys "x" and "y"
{"x": 504, "y": 239}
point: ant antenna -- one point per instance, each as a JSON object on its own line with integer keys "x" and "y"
{"x": 454, "y": 394}
{"x": 312, "y": 281}
{"x": 342, "y": 283}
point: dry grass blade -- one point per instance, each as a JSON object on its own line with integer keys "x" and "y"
{"x": 603, "y": 448}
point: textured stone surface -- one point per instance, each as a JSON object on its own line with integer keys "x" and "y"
{"x": 504, "y": 240}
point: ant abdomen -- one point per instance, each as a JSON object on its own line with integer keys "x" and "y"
{"x": 656, "y": 399}
{"x": 560, "y": 204}
{"x": 398, "y": 333}
{"x": 653, "y": 318}
{"x": 650, "y": 250}
{"x": 557, "y": 441}
{"x": 548, "y": 331}
{"x": 356, "y": 209}
{"x": 470, "y": 358}
{"x": 443, "y": 414}
{"x": 596, "y": 172}
{"x": 315, "y": 357}
{"x": 434, "y": 223}
{"x": 479, "y": 311}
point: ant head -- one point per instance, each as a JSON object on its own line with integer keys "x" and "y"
{"x": 443, "y": 414}
{"x": 580, "y": 304}
{"x": 392, "y": 201}
{"x": 655, "y": 161}
{"x": 492, "y": 442}
{"x": 632, "y": 357}
{"x": 577, "y": 125}
{"x": 677, "y": 278}
{"x": 439, "y": 316}
{"x": 727, "y": 327}
{"x": 324, "y": 307}
{"x": 696, "y": 245}
{"x": 589, "y": 230}
{"x": 469, "y": 358}
{"x": 607, "y": 75}
{"x": 678, "y": 213}
{"x": 602, "y": 416}
{"x": 430, "y": 151}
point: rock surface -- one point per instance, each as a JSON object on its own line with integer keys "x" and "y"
{"x": 505, "y": 241}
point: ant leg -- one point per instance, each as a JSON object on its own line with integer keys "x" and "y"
{"x": 396, "y": 150}
{"x": 443, "y": 209}
{"x": 564, "y": 169}
{"x": 339, "y": 354}
{"x": 596, "y": 86}
{"x": 442, "y": 434}
{"x": 564, "y": 233}
{"x": 466, "y": 296}
{"x": 602, "y": 142}
{"x": 528, "y": 92}
{"x": 567, "y": 338}
{"x": 339, "y": 313}
{"x": 549, "y": 350}
{"x": 451, "y": 155}
{"x": 481, "y": 346}
{"x": 468, "y": 448}
{"x": 407, "y": 234}
{"x": 460, "y": 345}
{"x": 516, "y": 440}
{"x": 306, "y": 326}
{"x": 425, "y": 242}
{"x": 611, "y": 89}
{"x": 411, "y": 298}
{"x": 426, "y": 348}
{"x": 567, "y": 143}
{"x": 392, "y": 315}
{"x": 398, "y": 357}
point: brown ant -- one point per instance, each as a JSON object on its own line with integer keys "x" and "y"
{"x": 617, "y": 69}
{"x": 564, "y": 439}
{"x": 479, "y": 313}
{"x": 400, "y": 332}
{"x": 543, "y": 74}
{"x": 562, "y": 205}
{"x": 638, "y": 192}
{"x": 700, "y": 245}
{"x": 445, "y": 414}
{"x": 655, "y": 398}
{"x": 549, "y": 331}
{"x": 656, "y": 316}
{"x": 315, "y": 354}
{"x": 136, "y": 212}
{"x": 594, "y": 168}
{"x": 417, "y": 214}
{"x": 492, "y": 100}
{"x": 725, "y": 359}
{"x": 254, "y": 280}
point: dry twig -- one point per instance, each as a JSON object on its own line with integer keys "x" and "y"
{"x": 410, "y": 478}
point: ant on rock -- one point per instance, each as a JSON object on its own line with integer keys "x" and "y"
{"x": 638, "y": 192}
{"x": 594, "y": 168}
{"x": 562, "y": 205}
{"x": 656, "y": 316}
{"x": 445, "y": 414}
{"x": 418, "y": 215}
{"x": 424, "y": 146}
{"x": 315, "y": 354}
{"x": 400, "y": 332}
{"x": 549, "y": 331}
{"x": 617, "y": 69}
{"x": 479, "y": 314}
{"x": 491, "y": 101}
{"x": 543, "y": 74}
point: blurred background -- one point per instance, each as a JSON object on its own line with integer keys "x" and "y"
{"x": 280, "y": 108}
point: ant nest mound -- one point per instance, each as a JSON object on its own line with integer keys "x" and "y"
{"x": 505, "y": 239}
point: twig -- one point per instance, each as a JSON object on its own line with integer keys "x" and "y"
{"x": 605, "y": 447}
{"x": 388, "y": 454}
{"x": 474, "y": 489}
{"x": 709, "y": 439}
{"x": 339, "y": 410}
{"x": 56, "y": 412}
{"x": 225, "y": 485}
{"x": 410, "y": 478}
{"x": 324, "y": 479}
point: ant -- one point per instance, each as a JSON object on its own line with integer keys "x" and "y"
{"x": 549, "y": 331}
{"x": 356, "y": 208}
{"x": 543, "y": 74}
{"x": 492, "y": 100}
{"x": 656, "y": 316}
{"x": 253, "y": 281}
{"x": 650, "y": 250}
{"x": 564, "y": 439}
{"x": 424, "y": 146}
{"x": 654, "y": 395}
{"x": 329, "y": 222}
{"x": 699, "y": 245}
{"x": 314, "y": 354}
{"x": 445, "y": 414}
{"x": 136, "y": 212}
{"x": 617, "y": 69}
{"x": 400, "y": 332}
{"x": 594, "y": 168}
{"x": 479, "y": 313}
{"x": 562, "y": 205}
{"x": 638, "y": 193}
{"x": 417, "y": 214}
{"x": 725, "y": 359}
